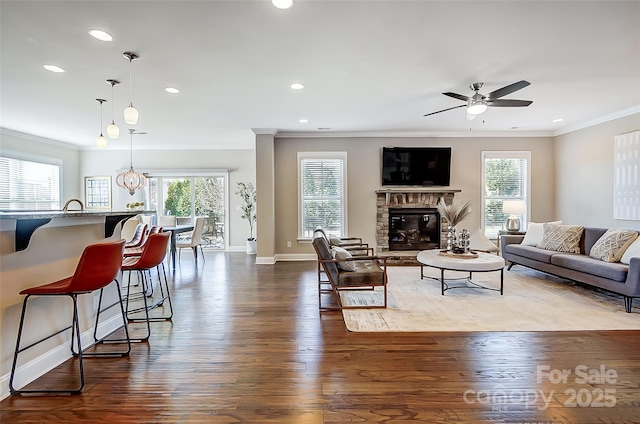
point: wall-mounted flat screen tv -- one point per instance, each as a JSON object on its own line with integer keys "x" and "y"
{"x": 416, "y": 166}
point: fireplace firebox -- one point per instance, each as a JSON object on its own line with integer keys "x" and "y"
{"x": 414, "y": 229}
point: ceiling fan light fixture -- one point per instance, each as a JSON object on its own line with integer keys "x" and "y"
{"x": 282, "y": 4}
{"x": 476, "y": 108}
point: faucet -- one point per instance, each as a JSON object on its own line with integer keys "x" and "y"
{"x": 66, "y": 205}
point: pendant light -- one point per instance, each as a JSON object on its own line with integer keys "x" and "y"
{"x": 101, "y": 142}
{"x": 130, "y": 112}
{"x": 131, "y": 180}
{"x": 112, "y": 129}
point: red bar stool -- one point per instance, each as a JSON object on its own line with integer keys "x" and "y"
{"x": 153, "y": 254}
{"x": 99, "y": 265}
{"x": 137, "y": 251}
{"x": 139, "y": 236}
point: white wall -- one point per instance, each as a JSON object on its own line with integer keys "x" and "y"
{"x": 32, "y": 145}
{"x": 240, "y": 163}
{"x": 584, "y": 174}
{"x": 364, "y": 175}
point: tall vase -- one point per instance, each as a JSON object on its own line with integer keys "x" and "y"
{"x": 451, "y": 238}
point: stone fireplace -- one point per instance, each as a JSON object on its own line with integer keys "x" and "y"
{"x": 405, "y": 218}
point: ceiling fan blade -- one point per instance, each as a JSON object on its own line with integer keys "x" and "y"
{"x": 508, "y": 103}
{"x": 457, "y": 96}
{"x": 507, "y": 90}
{"x": 444, "y": 110}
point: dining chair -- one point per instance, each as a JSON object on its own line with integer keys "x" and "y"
{"x": 195, "y": 239}
{"x": 167, "y": 220}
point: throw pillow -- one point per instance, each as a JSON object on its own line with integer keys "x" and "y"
{"x": 561, "y": 238}
{"x": 479, "y": 241}
{"x": 613, "y": 241}
{"x": 340, "y": 253}
{"x": 632, "y": 251}
{"x": 334, "y": 241}
{"x": 533, "y": 237}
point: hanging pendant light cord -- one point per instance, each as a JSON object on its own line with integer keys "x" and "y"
{"x": 130, "y": 81}
{"x": 131, "y": 149}
{"x": 112, "y": 105}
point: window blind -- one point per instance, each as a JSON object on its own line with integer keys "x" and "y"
{"x": 322, "y": 195}
{"x": 506, "y": 177}
{"x": 29, "y": 185}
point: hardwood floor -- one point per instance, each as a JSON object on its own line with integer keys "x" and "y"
{"x": 247, "y": 344}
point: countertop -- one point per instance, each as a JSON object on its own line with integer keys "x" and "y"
{"x": 44, "y": 214}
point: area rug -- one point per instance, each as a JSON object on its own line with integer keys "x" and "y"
{"x": 532, "y": 301}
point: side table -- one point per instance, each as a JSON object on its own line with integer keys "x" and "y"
{"x": 509, "y": 233}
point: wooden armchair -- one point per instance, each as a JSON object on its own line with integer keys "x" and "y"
{"x": 353, "y": 245}
{"x": 367, "y": 272}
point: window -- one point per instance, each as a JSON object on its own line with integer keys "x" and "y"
{"x": 505, "y": 176}
{"x": 186, "y": 197}
{"x": 322, "y": 201}
{"x": 29, "y": 184}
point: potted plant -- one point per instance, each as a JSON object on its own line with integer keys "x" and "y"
{"x": 453, "y": 213}
{"x": 247, "y": 193}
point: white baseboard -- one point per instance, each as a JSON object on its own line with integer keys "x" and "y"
{"x": 37, "y": 367}
{"x": 265, "y": 260}
{"x": 296, "y": 257}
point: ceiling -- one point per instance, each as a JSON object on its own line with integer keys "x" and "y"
{"x": 369, "y": 68}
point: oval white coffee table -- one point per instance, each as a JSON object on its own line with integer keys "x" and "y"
{"x": 484, "y": 262}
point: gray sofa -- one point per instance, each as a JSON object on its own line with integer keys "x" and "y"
{"x": 615, "y": 277}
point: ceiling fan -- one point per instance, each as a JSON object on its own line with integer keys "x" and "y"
{"x": 478, "y": 103}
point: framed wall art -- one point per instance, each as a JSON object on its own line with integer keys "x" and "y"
{"x": 97, "y": 192}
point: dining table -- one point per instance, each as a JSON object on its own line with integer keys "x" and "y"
{"x": 175, "y": 230}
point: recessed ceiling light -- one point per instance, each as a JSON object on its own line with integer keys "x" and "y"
{"x": 172, "y": 90}
{"x": 282, "y": 4}
{"x": 297, "y": 86}
{"x": 100, "y": 35}
{"x": 53, "y": 68}
{"x": 558, "y": 120}
{"x": 303, "y": 120}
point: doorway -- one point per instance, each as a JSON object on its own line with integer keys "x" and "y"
{"x": 186, "y": 197}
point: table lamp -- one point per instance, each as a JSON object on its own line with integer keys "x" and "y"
{"x": 513, "y": 208}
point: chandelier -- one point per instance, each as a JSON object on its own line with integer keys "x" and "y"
{"x": 131, "y": 180}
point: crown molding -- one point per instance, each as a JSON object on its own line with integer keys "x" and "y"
{"x": 44, "y": 140}
{"x": 617, "y": 115}
{"x": 414, "y": 134}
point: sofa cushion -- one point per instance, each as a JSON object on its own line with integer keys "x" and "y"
{"x": 611, "y": 246}
{"x": 561, "y": 238}
{"x": 342, "y": 254}
{"x": 588, "y": 265}
{"x": 530, "y": 252}
{"x": 632, "y": 251}
{"x": 533, "y": 237}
